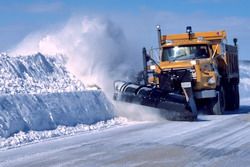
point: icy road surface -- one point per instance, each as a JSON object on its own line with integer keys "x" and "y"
{"x": 212, "y": 141}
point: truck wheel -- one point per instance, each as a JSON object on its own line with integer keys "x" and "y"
{"x": 232, "y": 97}
{"x": 229, "y": 91}
{"x": 237, "y": 97}
{"x": 216, "y": 106}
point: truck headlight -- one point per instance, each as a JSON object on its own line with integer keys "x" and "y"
{"x": 152, "y": 67}
{"x": 193, "y": 62}
{"x": 193, "y": 73}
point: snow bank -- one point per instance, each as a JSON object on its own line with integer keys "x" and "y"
{"x": 36, "y": 74}
{"x": 47, "y": 111}
{"x": 245, "y": 82}
{"x": 38, "y": 93}
{"x": 36, "y": 136}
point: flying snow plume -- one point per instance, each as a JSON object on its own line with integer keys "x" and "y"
{"x": 96, "y": 51}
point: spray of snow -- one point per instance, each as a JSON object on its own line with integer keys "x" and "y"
{"x": 97, "y": 52}
{"x": 96, "y": 49}
{"x": 138, "y": 112}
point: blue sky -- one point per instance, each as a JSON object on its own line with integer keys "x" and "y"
{"x": 136, "y": 17}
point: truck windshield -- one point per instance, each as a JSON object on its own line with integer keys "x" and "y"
{"x": 185, "y": 52}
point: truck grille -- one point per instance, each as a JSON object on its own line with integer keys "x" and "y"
{"x": 170, "y": 80}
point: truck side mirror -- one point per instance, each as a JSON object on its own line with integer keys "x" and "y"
{"x": 147, "y": 58}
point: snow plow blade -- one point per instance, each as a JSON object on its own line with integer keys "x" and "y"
{"x": 172, "y": 106}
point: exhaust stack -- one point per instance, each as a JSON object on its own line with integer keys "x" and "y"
{"x": 159, "y": 35}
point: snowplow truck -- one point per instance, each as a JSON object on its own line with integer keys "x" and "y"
{"x": 195, "y": 71}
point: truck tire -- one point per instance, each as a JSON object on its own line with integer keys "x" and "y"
{"x": 232, "y": 97}
{"x": 216, "y": 106}
{"x": 237, "y": 97}
{"x": 229, "y": 91}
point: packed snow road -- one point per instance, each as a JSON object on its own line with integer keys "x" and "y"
{"x": 212, "y": 141}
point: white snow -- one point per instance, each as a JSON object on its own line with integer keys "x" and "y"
{"x": 244, "y": 82}
{"x": 214, "y": 139}
{"x": 36, "y": 74}
{"x": 47, "y": 111}
{"x": 22, "y": 138}
{"x": 64, "y": 108}
{"x": 38, "y": 93}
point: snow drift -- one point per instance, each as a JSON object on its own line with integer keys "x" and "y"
{"x": 47, "y": 111}
{"x": 32, "y": 136}
{"x": 244, "y": 82}
{"x": 96, "y": 51}
{"x": 36, "y": 74}
{"x": 38, "y": 93}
